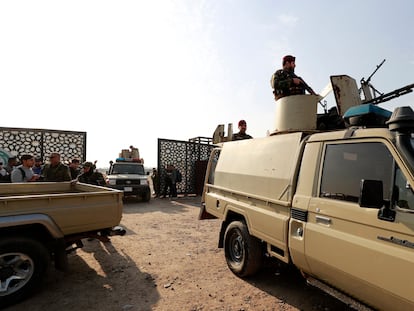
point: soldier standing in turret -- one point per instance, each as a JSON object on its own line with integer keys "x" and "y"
{"x": 285, "y": 82}
{"x": 242, "y": 132}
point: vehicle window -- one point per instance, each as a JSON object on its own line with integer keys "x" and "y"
{"x": 345, "y": 165}
{"x": 128, "y": 169}
{"x": 402, "y": 191}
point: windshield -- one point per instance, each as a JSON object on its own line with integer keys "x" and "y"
{"x": 128, "y": 169}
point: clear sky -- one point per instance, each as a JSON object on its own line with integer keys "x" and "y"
{"x": 130, "y": 72}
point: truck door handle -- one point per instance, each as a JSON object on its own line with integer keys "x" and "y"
{"x": 323, "y": 220}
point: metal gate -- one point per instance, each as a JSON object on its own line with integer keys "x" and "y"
{"x": 42, "y": 142}
{"x": 189, "y": 157}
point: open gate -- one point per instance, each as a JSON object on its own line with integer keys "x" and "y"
{"x": 189, "y": 157}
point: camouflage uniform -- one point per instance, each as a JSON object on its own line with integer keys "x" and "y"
{"x": 282, "y": 84}
{"x": 93, "y": 178}
{"x": 240, "y": 136}
{"x": 59, "y": 172}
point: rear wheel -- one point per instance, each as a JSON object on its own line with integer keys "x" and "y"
{"x": 243, "y": 252}
{"x": 23, "y": 262}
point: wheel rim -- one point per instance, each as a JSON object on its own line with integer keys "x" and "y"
{"x": 16, "y": 270}
{"x": 236, "y": 248}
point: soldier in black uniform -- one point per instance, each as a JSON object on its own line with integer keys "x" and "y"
{"x": 285, "y": 82}
{"x": 90, "y": 176}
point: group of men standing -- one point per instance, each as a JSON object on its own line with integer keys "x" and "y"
{"x": 171, "y": 176}
{"x": 31, "y": 169}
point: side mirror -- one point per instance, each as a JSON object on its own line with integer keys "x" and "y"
{"x": 371, "y": 194}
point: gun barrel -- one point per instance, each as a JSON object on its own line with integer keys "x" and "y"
{"x": 388, "y": 96}
{"x": 376, "y": 69}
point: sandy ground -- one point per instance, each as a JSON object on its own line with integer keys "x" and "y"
{"x": 169, "y": 260}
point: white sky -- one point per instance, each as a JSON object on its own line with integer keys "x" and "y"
{"x": 130, "y": 72}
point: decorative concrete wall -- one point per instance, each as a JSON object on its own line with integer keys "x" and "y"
{"x": 42, "y": 142}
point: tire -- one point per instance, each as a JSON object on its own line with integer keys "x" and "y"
{"x": 23, "y": 263}
{"x": 147, "y": 196}
{"x": 243, "y": 252}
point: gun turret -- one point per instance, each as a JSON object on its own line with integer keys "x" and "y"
{"x": 369, "y": 98}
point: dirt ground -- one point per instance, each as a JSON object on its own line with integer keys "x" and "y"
{"x": 169, "y": 260}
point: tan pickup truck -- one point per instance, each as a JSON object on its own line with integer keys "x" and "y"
{"x": 338, "y": 205}
{"x": 41, "y": 222}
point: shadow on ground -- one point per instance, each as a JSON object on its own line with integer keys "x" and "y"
{"x": 164, "y": 205}
{"x": 86, "y": 288}
{"x": 287, "y": 284}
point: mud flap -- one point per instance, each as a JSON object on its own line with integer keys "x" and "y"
{"x": 60, "y": 256}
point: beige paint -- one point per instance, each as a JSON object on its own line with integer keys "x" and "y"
{"x": 296, "y": 113}
{"x": 339, "y": 243}
{"x": 74, "y": 208}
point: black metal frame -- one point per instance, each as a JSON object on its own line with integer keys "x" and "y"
{"x": 186, "y": 157}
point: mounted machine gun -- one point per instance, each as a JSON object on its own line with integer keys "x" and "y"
{"x": 366, "y": 88}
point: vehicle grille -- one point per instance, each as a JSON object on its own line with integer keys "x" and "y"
{"x": 127, "y": 182}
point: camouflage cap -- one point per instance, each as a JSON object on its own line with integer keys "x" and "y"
{"x": 87, "y": 164}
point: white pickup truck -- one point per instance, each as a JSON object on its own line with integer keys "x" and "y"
{"x": 41, "y": 222}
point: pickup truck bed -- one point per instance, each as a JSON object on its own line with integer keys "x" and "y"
{"x": 74, "y": 208}
{"x": 42, "y": 222}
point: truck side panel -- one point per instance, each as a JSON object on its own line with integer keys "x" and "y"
{"x": 261, "y": 168}
{"x": 253, "y": 179}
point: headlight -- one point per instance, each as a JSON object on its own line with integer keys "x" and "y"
{"x": 112, "y": 182}
{"x": 144, "y": 181}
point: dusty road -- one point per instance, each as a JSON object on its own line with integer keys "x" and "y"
{"x": 169, "y": 260}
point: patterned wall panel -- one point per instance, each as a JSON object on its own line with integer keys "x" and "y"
{"x": 69, "y": 145}
{"x": 183, "y": 155}
{"x": 41, "y": 142}
{"x": 21, "y": 141}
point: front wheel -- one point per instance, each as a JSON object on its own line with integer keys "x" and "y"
{"x": 23, "y": 262}
{"x": 147, "y": 196}
{"x": 243, "y": 252}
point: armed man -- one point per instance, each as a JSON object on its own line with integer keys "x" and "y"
{"x": 285, "y": 82}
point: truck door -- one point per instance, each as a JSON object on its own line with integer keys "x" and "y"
{"x": 209, "y": 199}
{"x": 349, "y": 246}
